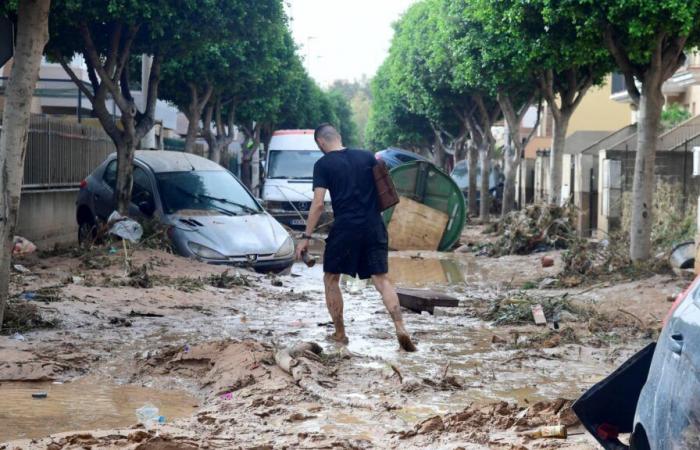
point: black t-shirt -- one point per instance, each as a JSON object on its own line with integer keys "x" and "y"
{"x": 348, "y": 176}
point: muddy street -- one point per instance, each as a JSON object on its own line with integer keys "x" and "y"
{"x": 199, "y": 342}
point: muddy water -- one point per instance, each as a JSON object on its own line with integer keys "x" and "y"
{"x": 297, "y": 311}
{"x": 82, "y": 405}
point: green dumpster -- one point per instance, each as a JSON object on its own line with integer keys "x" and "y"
{"x": 423, "y": 182}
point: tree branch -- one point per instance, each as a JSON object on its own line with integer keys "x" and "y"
{"x": 674, "y": 56}
{"x": 126, "y": 51}
{"x": 623, "y": 61}
{"x": 78, "y": 82}
{"x": 113, "y": 52}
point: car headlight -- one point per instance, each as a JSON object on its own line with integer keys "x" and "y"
{"x": 205, "y": 252}
{"x": 287, "y": 249}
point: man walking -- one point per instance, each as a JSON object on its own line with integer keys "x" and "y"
{"x": 358, "y": 242}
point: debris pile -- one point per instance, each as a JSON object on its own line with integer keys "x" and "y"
{"x": 477, "y": 422}
{"x": 515, "y": 308}
{"x": 534, "y": 228}
{"x": 587, "y": 260}
{"x": 22, "y": 316}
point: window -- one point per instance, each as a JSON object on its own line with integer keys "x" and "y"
{"x": 204, "y": 190}
{"x": 110, "y": 174}
{"x": 142, "y": 190}
{"x": 293, "y": 164}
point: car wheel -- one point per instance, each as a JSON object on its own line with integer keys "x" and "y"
{"x": 87, "y": 232}
{"x": 639, "y": 440}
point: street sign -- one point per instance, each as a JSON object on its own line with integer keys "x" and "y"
{"x": 6, "y": 40}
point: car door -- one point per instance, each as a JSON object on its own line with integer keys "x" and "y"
{"x": 142, "y": 193}
{"x": 684, "y": 340}
{"x": 104, "y": 191}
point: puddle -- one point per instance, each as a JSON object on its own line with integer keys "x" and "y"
{"x": 80, "y": 406}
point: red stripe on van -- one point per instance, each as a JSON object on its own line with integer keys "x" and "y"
{"x": 288, "y": 132}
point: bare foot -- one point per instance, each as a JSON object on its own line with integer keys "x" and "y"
{"x": 405, "y": 342}
{"x": 341, "y": 338}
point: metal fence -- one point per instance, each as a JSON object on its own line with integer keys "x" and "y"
{"x": 61, "y": 153}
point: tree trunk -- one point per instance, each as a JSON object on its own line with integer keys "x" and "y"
{"x": 32, "y": 35}
{"x": 473, "y": 163}
{"x": 484, "y": 195}
{"x": 510, "y": 171}
{"x": 439, "y": 156}
{"x": 125, "y": 170}
{"x": 650, "y": 104}
{"x": 193, "y": 118}
{"x": 561, "y": 125}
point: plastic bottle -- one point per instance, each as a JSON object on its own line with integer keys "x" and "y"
{"x": 148, "y": 415}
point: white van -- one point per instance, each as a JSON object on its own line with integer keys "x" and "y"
{"x": 289, "y": 168}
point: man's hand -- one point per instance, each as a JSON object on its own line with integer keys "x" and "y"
{"x": 302, "y": 246}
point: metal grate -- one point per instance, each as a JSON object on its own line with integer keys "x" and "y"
{"x": 61, "y": 153}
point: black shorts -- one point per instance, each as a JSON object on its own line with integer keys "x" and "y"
{"x": 357, "y": 251}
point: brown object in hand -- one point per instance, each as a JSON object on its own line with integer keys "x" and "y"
{"x": 386, "y": 191}
{"x": 309, "y": 260}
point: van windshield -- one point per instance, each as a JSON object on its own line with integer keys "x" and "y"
{"x": 293, "y": 164}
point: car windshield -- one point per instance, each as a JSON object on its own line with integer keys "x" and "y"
{"x": 215, "y": 190}
{"x": 294, "y": 164}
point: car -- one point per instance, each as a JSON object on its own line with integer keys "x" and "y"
{"x": 655, "y": 395}
{"x": 460, "y": 174}
{"x": 288, "y": 186}
{"x": 394, "y": 157}
{"x": 208, "y": 212}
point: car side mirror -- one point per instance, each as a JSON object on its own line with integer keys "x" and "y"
{"x": 147, "y": 208}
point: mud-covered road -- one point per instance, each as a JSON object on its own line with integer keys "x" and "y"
{"x": 200, "y": 346}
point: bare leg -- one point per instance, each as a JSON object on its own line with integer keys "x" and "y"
{"x": 391, "y": 302}
{"x": 334, "y": 302}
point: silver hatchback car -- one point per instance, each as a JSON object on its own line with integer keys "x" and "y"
{"x": 209, "y": 214}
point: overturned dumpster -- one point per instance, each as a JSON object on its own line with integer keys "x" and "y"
{"x": 431, "y": 213}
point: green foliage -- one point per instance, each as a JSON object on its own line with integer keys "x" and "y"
{"x": 636, "y": 24}
{"x": 674, "y": 114}
{"x": 391, "y": 122}
{"x": 358, "y": 96}
{"x": 344, "y": 116}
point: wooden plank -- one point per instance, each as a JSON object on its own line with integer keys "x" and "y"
{"x": 415, "y": 226}
{"x": 418, "y": 300}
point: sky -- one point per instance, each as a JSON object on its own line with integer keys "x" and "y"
{"x": 343, "y": 39}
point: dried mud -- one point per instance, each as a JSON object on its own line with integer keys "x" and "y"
{"x": 185, "y": 327}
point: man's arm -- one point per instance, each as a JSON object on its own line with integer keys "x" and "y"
{"x": 317, "y": 208}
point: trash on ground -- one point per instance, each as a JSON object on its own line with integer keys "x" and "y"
{"x": 124, "y": 227}
{"x": 22, "y": 246}
{"x": 148, "y": 415}
{"x": 538, "y": 314}
{"x": 18, "y": 337}
{"x": 683, "y": 255}
{"x": 418, "y": 300}
{"x": 19, "y": 268}
{"x": 547, "y": 261}
{"x": 40, "y": 395}
{"x": 533, "y": 229}
{"x": 553, "y": 431}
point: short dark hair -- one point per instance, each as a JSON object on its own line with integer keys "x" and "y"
{"x": 326, "y": 131}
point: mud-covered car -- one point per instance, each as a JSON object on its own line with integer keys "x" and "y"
{"x": 655, "y": 395}
{"x": 208, "y": 213}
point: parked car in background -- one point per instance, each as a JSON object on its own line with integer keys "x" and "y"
{"x": 460, "y": 174}
{"x": 655, "y": 395}
{"x": 208, "y": 212}
{"x": 288, "y": 186}
{"x": 394, "y": 157}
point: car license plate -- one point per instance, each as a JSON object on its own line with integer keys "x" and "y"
{"x": 298, "y": 222}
